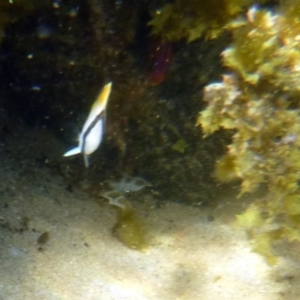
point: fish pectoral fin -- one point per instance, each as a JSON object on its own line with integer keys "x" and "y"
{"x": 73, "y": 151}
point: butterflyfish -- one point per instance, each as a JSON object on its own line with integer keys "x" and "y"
{"x": 91, "y": 134}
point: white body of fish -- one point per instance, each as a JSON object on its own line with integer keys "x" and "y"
{"x": 93, "y": 128}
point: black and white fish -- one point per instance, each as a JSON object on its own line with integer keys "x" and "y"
{"x": 93, "y": 128}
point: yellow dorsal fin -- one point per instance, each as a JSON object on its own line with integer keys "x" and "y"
{"x": 103, "y": 96}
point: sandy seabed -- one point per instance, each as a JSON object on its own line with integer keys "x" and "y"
{"x": 58, "y": 244}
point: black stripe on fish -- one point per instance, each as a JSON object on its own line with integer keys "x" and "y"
{"x": 92, "y": 125}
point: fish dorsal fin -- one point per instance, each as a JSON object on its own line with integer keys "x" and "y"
{"x": 103, "y": 97}
{"x": 98, "y": 107}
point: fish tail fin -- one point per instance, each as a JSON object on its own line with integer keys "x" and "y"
{"x": 73, "y": 151}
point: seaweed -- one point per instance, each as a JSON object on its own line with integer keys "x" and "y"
{"x": 192, "y": 19}
{"x": 259, "y": 102}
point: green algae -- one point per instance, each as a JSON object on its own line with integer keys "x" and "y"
{"x": 180, "y": 146}
{"x": 130, "y": 229}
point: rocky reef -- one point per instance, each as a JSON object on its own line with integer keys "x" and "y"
{"x": 56, "y": 59}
